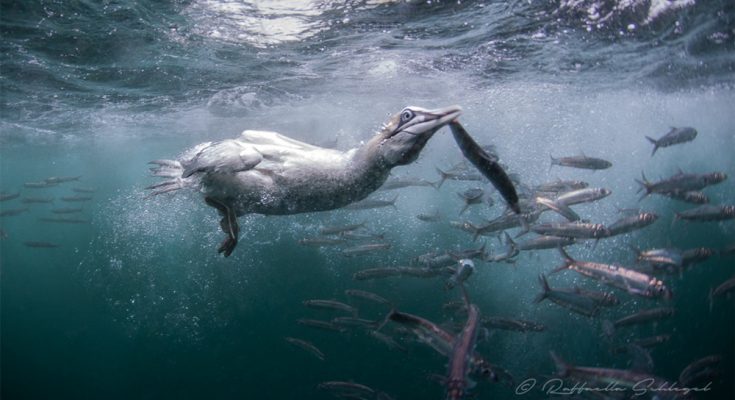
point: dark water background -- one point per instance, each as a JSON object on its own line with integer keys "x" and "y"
{"x": 138, "y": 305}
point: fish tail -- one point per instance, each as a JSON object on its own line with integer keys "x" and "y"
{"x": 562, "y": 368}
{"x": 568, "y": 261}
{"x": 466, "y": 206}
{"x": 711, "y": 299}
{"x": 443, "y": 177}
{"x": 655, "y": 144}
{"x": 553, "y": 161}
{"x": 545, "y": 289}
{"x": 393, "y": 202}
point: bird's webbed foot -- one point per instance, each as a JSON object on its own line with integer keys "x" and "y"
{"x": 228, "y": 223}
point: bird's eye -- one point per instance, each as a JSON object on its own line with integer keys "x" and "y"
{"x": 406, "y": 116}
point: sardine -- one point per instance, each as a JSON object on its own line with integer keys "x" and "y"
{"x": 434, "y": 217}
{"x": 39, "y": 185}
{"x": 667, "y": 259}
{"x": 61, "y": 179}
{"x": 319, "y": 324}
{"x": 354, "y": 235}
{"x": 546, "y": 242}
{"x": 337, "y": 229}
{"x": 457, "y": 176}
{"x": 631, "y": 223}
{"x": 687, "y": 196}
{"x": 653, "y": 314}
{"x": 512, "y": 324}
{"x": 691, "y": 370}
{"x": 67, "y": 210}
{"x": 365, "y": 248}
{"x": 651, "y": 341}
{"x": 415, "y": 272}
{"x": 582, "y": 162}
{"x": 83, "y": 190}
{"x": 708, "y": 212}
{"x": 488, "y": 166}
{"x": 559, "y": 208}
{"x": 593, "y": 377}
{"x": 76, "y": 198}
{"x": 330, "y": 305}
{"x": 318, "y": 241}
{"x": 64, "y": 220}
{"x": 696, "y": 255}
{"x": 40, "y": 245}
{"x": 307, "y": 346}
{"x": 560, "y": 186}
{"x": 387, "y": 340}
{"x": 584, "y": 195}
{"x": 436, "y": 260}
{"x": 368, "y": 204}
{"x": 352, "y": 322}
{"x": 470, "y": 197}
{"x": 459, "y": 360}
{"x": 362, "y": 294}
{"x": 680, "y": 181}
{"x": 348, "y": 387}
{"x": 464, "y": 269}
{"x": 399, "y": 183}
{"x": 674, "y": 136}
{"x": 4, "y": 196}
{"x": 37, "y": 200}
{"x": 632, "y": 281}
{"x": 376, "y": 273}
{"x": 578, "y": 230}
{"x": 13, "y": 212}
{"x": 725, "y": 287}
{"x": 567, "y": 298}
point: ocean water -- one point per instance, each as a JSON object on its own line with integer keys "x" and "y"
{"x": 135, "y": 302}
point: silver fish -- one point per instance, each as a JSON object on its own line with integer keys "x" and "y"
{"x": 348, "y": 387}
{"x": 560, "y": 208}
{"x": 4, "y": 196}
{"x": 582, "y": 162}
{"x": 605, "y": 377}
{"x": 680, "y": 181}
{"x": 457, "y": 176}
{"x": 365, "y": 248}
{"x": 399, "y": 183}
{"x": 632, "y": 281}
{"x": 708, "y": 212}
{"x": 376, "y": 273}
{"x": 470, "y": 197}
{"x": 653, "y": 314}
{"x": 546, "y": 242}
{"x": 668, "y": 259}
{"x": 368, "y": 204}
{"x": 76, "y": 198}
{"x": 568, "y": 298}
{"x": 330, "y": 305}
{"x": 67, "y": 210}
{"x": 674, "y": 136}
{"x": 37, "y": 200}
{"x": 337, "y": 229}
{"x": 13, "y": 212}
{"x": 363, "y": 294}
{"x": 464, "y": 269}
{"x": 61, "y": 179}
{"x": 687, "y": 196}
{"x": 459, "y": 360}
{"x": 631, "y": 223}
{"x": 40, "y": 245}
{"x": 434, "y": 217}
{"x": 585, "y": 195}
{"x": 64, "y": 220}
{"x": 39, "y": 185}
{"x": 306, "y": 345}
{"x": 696, "y": 255}
{"x": 83, "y": 190}
{"x": 579, "y": 230}
{"x": 689, "y": 372}
{"x": 512, "y": 324}
{"x": 318, "y": 241}
{"x": 560, "y": 186}
{"x": 436, "y": 260}
{"x": 319, "y": 324}
{"x": 488, "y": 166}
{"x": 352, "y": 322}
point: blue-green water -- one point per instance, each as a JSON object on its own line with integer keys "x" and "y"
{"x": 138, "y": 304}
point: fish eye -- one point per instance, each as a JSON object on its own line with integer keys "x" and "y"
{"x": 406, "y": 116}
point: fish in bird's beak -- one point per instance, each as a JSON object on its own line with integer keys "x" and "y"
{"x": 406, "y": 133}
